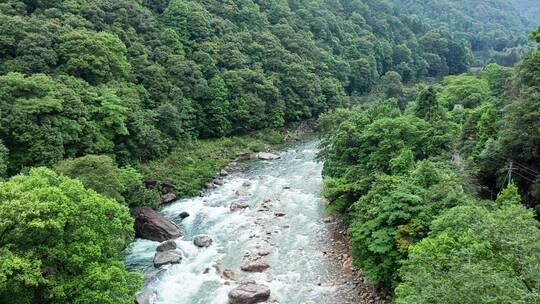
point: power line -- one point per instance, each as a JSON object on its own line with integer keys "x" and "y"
{"x": 526, "y": 178}
{"x": 529, "y": 170}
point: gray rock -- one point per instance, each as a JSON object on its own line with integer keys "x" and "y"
{"x": 145, "y": 297}
{"x": 183, "y": 215}
{"x": 237, "y": 206}
{"x": 202, "y": 241}
{"x": 223, "y": 172}
{"x": 151, "y": 225}
{"x": 166, "y": 246}
{"x": 266, "y": 156}
{"x": 249, "y": 293}
{"x": 168, "y": 198}
{"x": 166, "y": 258}
{"x": 254, "y": 266}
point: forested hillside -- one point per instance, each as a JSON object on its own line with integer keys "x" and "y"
{"x": 529, "y": 8}
{"x": 495, "y": 29}
{"x": 131, "y": 79}
{"x": 452, "y": 178}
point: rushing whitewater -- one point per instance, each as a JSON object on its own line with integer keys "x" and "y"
{"x": 299, "y": 270}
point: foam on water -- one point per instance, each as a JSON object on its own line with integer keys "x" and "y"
{"x": 298, "y": 270}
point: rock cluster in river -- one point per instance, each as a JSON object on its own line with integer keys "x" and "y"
{"x": 151, "y": 225}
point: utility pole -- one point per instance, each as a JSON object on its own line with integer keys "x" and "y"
{"x": 510, "y": 167}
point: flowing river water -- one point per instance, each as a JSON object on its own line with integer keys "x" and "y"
{"x": 300, "y": 270}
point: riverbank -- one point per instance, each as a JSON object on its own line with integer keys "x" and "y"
{"x": 357, "y": 290}
{"x": 192, "y": 167}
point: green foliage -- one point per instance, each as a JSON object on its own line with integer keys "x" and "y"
{"x": 86, "y": 79}
{"x": 396, "y": 212}
{"x": 427, "y": 105}
{"x": 61, "y": 243}
{"x": 3, "y": 160}
{"x": 468, "y": 91}
{"x": 495, "y": 29}
{"x": 100, "y": 173}
{"x": 475, "y": 255}
{"x": 190, "y": 166}
{"x": 94, "y": 57}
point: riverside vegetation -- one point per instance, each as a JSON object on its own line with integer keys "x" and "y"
{"x": 418, "y": 186}
{"x": 98, "y": 96}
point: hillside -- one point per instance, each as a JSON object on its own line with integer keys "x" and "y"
{"x": 132, "y": 79}
{"x": 495, "y": 29}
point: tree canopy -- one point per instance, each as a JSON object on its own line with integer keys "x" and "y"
{"x": 61, "y": 243}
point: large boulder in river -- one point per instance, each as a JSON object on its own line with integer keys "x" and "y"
{"x": 151, "y": 225}
{"x": 266, "y": 156}
{"x": 249, "y": 293}
{"x": 202, "y": 241}
{"x": 166, "y": 246}
{"x": 166, "y": 258}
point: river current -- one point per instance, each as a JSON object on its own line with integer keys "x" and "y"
{"x": 300, "y": 272}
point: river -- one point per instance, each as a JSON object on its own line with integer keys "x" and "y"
{"x": 300, "y": 270}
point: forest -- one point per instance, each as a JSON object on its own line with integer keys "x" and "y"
{"x": 429, "y": 126}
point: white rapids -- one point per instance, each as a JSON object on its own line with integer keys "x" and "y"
{"x": 299, "y": 271}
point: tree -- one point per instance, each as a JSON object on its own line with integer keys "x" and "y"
{"x": 502, "y": 250}
{"x": 3, "y": 160}
{"x": 95, "y": 57}
{"x": 468, "y": 91}
{"x": 427, "y": 105}
{"x": 100, "y": 173}
{"x": 61, "y": 243}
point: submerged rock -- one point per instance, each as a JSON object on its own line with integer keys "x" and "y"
{"x": 249, "y": 293}
{"x": 145, "y": 297}
{"x": 151, "y": 225}
{"x": 202, "y": 241}
{"x": 166, "y": 246}
{"x": 166, "y": 258}
{"x": 183, "y": 215}
{"x": 279, "y": 214}
{"x": 241, "y": 193}
{"x": 255, "y": 266}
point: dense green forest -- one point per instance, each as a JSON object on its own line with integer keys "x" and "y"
{"x": 106, "y": 94}
{"x": 496, "y": 30}
{"x": 451, "y": 177}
